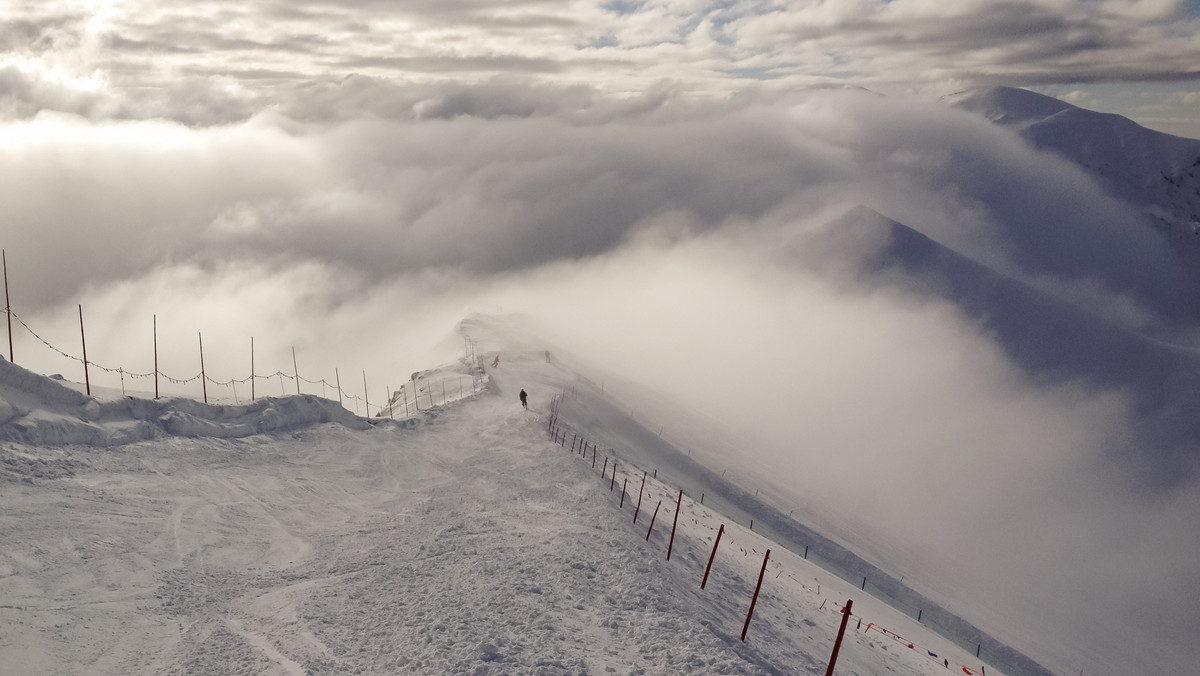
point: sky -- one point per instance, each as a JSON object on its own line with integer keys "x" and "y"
{"x": 210, "y": 63}
{"x": 653, "y": 182}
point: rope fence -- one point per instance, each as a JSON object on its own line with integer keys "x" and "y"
{"x": 406, "y": 401}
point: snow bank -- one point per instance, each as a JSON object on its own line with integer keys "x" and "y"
{"x": 41, "y": 411}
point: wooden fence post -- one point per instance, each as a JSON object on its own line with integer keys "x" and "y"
{"x": 613, "y": 484}
{"x": 86, "y": 379}
{"x": 296, "y": 369}
{"x": 203, "y": 376}
{"x": 156, "y": 356}
{"x": 7, "y": 307}
{"x": 624, "y": 483}
{"x": 754, "y": 600}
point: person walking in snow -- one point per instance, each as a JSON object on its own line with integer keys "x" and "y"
{"x": 524, "y": 401}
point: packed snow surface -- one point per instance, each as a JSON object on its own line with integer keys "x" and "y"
{"x": 289, "y": 537}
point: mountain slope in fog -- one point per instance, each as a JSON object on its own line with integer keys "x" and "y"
{"x": 1047, "y": 335}
{"x": 1157, "y": 172}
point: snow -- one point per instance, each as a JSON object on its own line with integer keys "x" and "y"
{"x": 288, "y": 536}
{"x": 1156, "y": 172}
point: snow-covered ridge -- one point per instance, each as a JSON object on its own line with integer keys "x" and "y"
{"x": 1159, "y": 173}
{"x": 38, "y": 410}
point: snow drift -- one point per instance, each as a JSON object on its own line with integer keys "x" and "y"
{"x": 40, "y": 411}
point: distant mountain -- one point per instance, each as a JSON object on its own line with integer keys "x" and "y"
{"x": 1050, "y": 336}
{"x": 1156, "y": 172}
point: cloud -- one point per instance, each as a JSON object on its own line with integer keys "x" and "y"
{"x": 262, "y": 54}
{"x": 462, "y": 191}
{"x": 1077, "y": 97}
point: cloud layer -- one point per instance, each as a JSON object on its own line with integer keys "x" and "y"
{"x": 214, "y": 62}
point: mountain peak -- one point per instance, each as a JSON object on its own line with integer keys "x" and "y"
{"x": 1157, "y": 173}
{"x": 1008, "y": 105}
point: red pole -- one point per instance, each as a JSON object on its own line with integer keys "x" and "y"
{"x": 639, "y": 504}
{"x": 87, "y": 380}
{"x": 605, "y": 468}
{"x": 593, "y": 457}
{"x": 712, "y": 556}
{"x": 673, "y": 526}
{"x": 203, "y": 378}
{"x": 755, "y": 600}
{"x": 837, "y": 645}
{"x": 613, "y": 484}
{"x": 624, "y": 483}
{"x": 651, "y": 528}
{"x": 156, "y": 356}
{"x": 7, "y": 305}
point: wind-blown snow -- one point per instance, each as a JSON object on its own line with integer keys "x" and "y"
{"x": 290, "y": 537}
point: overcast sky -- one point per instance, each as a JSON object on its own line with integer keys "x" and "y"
{"x": 212, "y": 62}
{"x": 650, "y": 180}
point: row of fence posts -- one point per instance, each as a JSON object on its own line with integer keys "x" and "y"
{"x": 252, "y": 379}
{"x": 580, "y": 447}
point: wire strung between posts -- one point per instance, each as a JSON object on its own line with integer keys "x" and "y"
{"x": 170, "y": 379}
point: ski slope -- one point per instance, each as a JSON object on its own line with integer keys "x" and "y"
{"x": 459, "y": 540}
